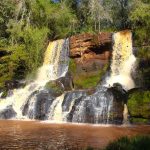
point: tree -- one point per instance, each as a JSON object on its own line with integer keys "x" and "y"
{"x": 98, "y": 13}
{"x": 6, "y": 13}
{"x": 140, "y": 19}
{"x": 119, "y": 11}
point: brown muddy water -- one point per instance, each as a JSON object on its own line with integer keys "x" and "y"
{"x": 34, "y": 135}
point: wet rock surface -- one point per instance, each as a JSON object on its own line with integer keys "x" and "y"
{"x": 66, "y": 82}
{"x": 38, "y": 109}
{"x": 100, "y": 107}
{"x": 7, "y": 113}
{"x": 120, "y": 97}
{"x": 14, "y": 84}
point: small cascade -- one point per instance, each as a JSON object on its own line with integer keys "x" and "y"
{"x": 123, "y": 60}
{"x": 56, "y": 113}
{"x": 24, "y": 100}
{"x": 94, "y": 108}
{"x": 125, "y": 115}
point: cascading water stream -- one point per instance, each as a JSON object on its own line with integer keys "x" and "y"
{"x": 123, "y": 60}
{"x": 55, "y": 66}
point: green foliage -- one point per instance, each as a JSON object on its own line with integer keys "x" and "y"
{"x": 139, "y": 17}
{"x": 55, "y": 88}
{"x": 125, "y": 143}
{"x": 27, "y": 25}
{"x": 134, "y": 143}
{"x": 25, "y": 28}
{"x": 139, "y": 121}
{"x": 144, "y": 52}
{"x": 84, "y": 80}
{"x": 87, "y": 80}
{"x": 138, "y": 104}
{"x": 72, "y": 66}
{"x": 143, "y": 56}
{"x": 6, "y": 12}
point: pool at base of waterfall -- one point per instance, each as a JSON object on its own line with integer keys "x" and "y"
{"x": 35, "y": 135}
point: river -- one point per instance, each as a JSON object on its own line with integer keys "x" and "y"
{"x": 35, "y": 135}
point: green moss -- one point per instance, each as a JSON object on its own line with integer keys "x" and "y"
{"x": 139, "y": 104}
{"x": 125, "y": 143}
{"x": 139, "y": 120}
{"x": 87, "y": 80}
{"x": 134, "y": 143}
{"x": 54, "y": 87}
{"x": 72, "y": 66}
{"x": 84, "y": 80}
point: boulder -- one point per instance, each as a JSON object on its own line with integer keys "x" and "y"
{"x": 38, "y": 104}
{"x": 7, "y": 113}
{"x": 56, "y": 88}
{"x": 119, "y": 98}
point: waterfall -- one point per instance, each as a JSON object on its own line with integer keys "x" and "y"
{"x": 125, "y": 115}
{"x": 35, "y": 102}
{"x": 55, "y": 66}
{"x": 56, "y": 109}
{"x": 123, "y": 60}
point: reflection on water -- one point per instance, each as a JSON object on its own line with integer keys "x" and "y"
{"x": 27, "y": 135}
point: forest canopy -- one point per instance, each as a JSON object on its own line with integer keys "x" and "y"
{"x": 26, "y": 26}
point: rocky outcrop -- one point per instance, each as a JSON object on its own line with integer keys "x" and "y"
{"x": 91, "y": 51}
{"x": 90, "y": 56}
{"x": 41, "y": 106}
{"x": 119, "y": 99}
{"x": 7, "y": 113}
{"x": 93, "y": 46}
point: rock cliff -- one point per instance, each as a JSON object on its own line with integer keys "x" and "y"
{"x": 89, "y": 49}
{"x": 90, "y": 55}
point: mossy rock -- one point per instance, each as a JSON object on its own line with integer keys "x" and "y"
{"x": 139, "y": 121}
{"x": 139, "y": 104}
{"x": 85, "y": 80}
{"x": 55, "y": 88}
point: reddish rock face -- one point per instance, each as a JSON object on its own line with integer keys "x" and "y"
{"x": 91, "y": 50}
{"x": 90, "y": 44}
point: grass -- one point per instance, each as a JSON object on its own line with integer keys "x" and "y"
{"x": 85, "y": 80}
{"x": 139, "y": 120}
{"x": 134, "y": 143}
{"x": 125, "y": 143}
{"x": 138, "y": 104}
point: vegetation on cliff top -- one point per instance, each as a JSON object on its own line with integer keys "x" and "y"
{"x": 27, "y": 25}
